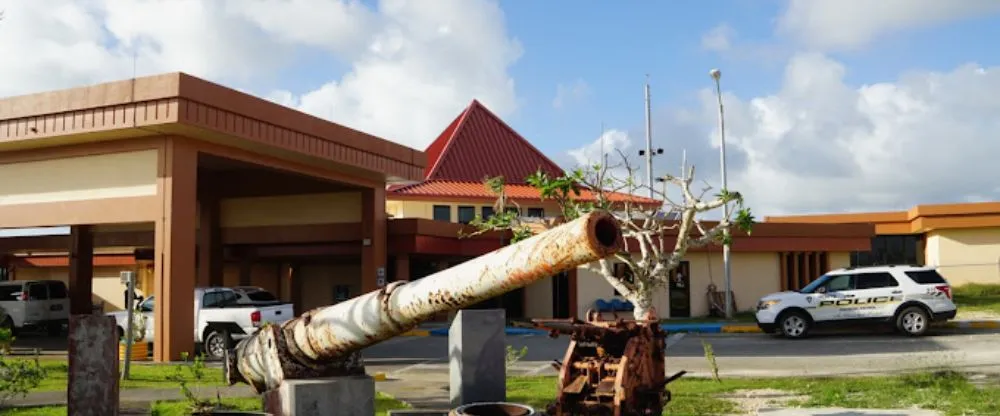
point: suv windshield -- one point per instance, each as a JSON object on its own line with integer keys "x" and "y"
{"x": 815, "y": 283}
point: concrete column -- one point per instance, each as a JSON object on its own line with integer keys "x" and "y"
{"x": 574, "y": 301}
{"x": 373, "y": 234}
{"x": 93, "y": 366}
{"x": 210, "y": 255}
{"x": 402, "y": 268}
{"x": 81, "y": 270}
{"x": 477, "y": 363}
{"x": 175, "y": 252}
{"x": 246, "y": 266}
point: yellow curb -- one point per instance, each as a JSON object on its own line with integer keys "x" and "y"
{"x": 984, "y": 325}
{"x": 417, "y": 333}
{"x": 740, "y": 329}
{"x": 379, "y": 377}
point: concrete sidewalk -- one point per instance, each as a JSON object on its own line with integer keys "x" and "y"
{"x": 135, "y": 396}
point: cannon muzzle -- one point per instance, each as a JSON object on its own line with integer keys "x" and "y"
{"x": 326, "y": 341}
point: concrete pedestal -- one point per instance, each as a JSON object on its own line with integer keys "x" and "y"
{"x": 477, "y": 352}
{"x": 347, "y": 396}
{"x": 93, "y": 366}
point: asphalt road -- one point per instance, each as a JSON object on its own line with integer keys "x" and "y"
{"x": 754, "y": 355}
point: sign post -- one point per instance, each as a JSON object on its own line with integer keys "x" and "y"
{"x": 128, "y": 278}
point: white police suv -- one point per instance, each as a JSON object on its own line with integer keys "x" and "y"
{"x": 908, "y": 298}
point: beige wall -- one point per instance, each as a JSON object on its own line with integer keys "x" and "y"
{"x": 113, "y": 175}
{"x": 319, "y": 282}
{"x": 538, "y": 299}
{"x": 425, "y": 209}
{"x": 837, "y": 260}
{"x": 340, "y": 207}
{"x": 965, "y": 255}
{"x": 753, "y": 275}
{"x": 107, "y": 282}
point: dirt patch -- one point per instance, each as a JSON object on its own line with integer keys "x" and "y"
{"x": 750, "y": 401}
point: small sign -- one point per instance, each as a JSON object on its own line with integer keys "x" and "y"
{"x": 127, "y": 277}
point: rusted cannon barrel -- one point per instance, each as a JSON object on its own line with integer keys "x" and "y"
{"x": 326, "y": 341}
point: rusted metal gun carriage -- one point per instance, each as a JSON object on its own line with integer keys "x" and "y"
{"x": 614, "y": 367}
{"x": 327, "y": 341}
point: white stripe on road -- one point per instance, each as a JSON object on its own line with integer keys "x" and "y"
{"x": 410, "y": 367}
{"x": 539, "y": 369}
{"x": 673, "y": 339}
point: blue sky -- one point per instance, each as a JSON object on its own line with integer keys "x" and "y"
{"x": 832, "y": 105}
{"x": 611, "y": 45}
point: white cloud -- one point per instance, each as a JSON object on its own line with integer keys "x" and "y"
{"x": 719, "y": 38}
{"x": 820, "y": 145}
{"x": 852, "y": 24}
{"x": 412, "y": 65}
{"x": 567, "y": 94}
{"x": 609, "y": 143}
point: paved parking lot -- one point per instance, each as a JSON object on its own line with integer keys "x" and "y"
{"x": 737, "y": 354}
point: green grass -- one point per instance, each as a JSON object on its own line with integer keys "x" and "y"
{"x": 140, "y": 376}
{"x": 948, "y": 392}
{"x": 978, "y": 297}
{"x": 383, "y": 404}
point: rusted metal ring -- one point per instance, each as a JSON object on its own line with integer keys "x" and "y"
{"x": 385, "y": 295}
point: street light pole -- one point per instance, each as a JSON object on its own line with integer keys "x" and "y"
{"x": 649, "y": 142}
{"x": 716, "y": 75}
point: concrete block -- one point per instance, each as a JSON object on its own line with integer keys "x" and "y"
{"x": 347, "y": 396}
{"x": 477, "y": 351}
{"x": 93, "y": 366}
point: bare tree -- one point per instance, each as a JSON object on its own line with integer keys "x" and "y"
{"x": 661, "y": 233}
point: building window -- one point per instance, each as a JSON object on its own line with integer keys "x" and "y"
{"x": 488, "y": 213}
{"x": 890, "y": 249}
{"x": 536, "y": 212}
{"x": 798, "y": 269}
{"x": 442, "y": 213}
{"x": 513, "y": 210}
{"x": 466, "y": 214}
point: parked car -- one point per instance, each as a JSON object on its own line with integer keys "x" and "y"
{"x": 34, "y": 304}
{"x": 905, "y": 298}
{"x": 220, "y": 319}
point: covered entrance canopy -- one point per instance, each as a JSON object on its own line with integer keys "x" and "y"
{"x": 189, "y": 164}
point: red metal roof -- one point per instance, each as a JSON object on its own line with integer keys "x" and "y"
{"x": 478, "y": 144}
{"x": 455, "y": 189}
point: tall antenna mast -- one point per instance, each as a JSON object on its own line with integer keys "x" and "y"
{"x": 684, "y": 164}
{"x": 649, "y": 142}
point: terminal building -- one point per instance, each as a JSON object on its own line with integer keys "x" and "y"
{"x": 189, "y": 184}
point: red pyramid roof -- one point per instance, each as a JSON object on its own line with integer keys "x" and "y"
{"x": 478, "y": 144}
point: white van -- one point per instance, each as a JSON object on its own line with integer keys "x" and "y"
{"x": 34, "y": 304}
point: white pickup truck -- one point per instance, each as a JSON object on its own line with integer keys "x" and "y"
{"x": 219, "y": 317}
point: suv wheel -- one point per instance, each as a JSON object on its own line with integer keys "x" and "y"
{"x": 913, "y": 321}
{"x": 794, "y": 325}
